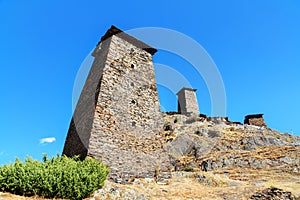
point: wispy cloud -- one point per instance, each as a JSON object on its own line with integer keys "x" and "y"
{"x": 47, "y": 140}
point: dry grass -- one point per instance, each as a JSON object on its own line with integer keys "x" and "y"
{"x": 7, "y": 196}
{"x": 238, "y": 183}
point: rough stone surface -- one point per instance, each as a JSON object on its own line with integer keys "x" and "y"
{"x": 256, "y": 120}
{"x": 117, "y": 118}
{"x": 219, "y": 144}
{"x": 182, "y": 145}
{"x": 272, "y": 194}
{"x": 114, "y": 192}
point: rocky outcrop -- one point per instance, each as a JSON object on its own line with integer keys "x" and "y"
{"x": 273, "y": 194}
{"x": 197, "y": 143}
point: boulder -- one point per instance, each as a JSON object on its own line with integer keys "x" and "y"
{"x": 182, "y": 145}
{"x": 214, "y": 133}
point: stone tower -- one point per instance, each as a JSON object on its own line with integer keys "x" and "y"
{"x": 187, "y": 102}
{"x": 117, "y": 118}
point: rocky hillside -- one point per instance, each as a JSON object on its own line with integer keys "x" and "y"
{"x": 212, "y": 158}
{"x": 201, "y": 143}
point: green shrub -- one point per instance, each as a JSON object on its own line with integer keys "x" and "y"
{"x": 176, "y": 120}
{"x": 167, "y": 126}
{"x": 59, "y": 177}
{"x": 187, "y": 169}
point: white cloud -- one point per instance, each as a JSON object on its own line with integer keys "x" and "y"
{"x": 47, "y": 140}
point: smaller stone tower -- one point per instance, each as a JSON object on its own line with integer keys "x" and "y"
{"x": 187, "y": 101}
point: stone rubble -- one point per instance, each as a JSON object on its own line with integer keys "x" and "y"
{"x": 273, "y": 194}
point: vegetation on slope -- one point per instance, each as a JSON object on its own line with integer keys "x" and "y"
{"x": 59, "y": 177}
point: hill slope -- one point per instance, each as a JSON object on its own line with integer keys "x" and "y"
{"x": 212, "y": 158}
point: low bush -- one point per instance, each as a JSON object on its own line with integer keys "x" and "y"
{"x": 59, "y": 177}
{"x": 176, "y": 120}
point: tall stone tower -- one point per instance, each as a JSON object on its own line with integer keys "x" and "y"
{"x": 117, "y": 118}
{"x": 187, "y": 101}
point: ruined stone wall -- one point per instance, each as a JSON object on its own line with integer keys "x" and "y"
{"x": 127, "y": 122}
{"x": 257, "y": 122}
{"x": 255, "y": 119}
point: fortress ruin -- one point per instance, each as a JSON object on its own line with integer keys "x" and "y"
{"x": 117, "y": 117}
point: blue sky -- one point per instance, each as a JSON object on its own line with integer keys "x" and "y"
{"x": 255, "y": 45}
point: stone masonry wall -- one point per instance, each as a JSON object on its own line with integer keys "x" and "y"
{"x": 126, "y": 131}
{"x": 255, "y": 119}
{"x": 257, "y": 122}
{"x": 187, "y": 101}
{"x": 79, "y": 133}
